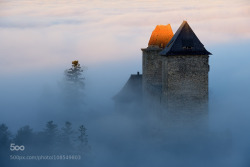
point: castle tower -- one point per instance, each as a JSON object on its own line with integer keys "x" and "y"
{"x": 185, "y": 76}
{"x": 152, "y": 61}
{"x": 175, "y": 75}
{"x": 174, "y": 82}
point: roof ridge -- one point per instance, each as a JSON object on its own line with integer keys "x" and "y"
{"x": 174, "y": 38}
{"x": 188, "y": 44}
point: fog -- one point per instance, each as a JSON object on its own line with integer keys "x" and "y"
{"x": 124, "y": 139}
{"x": 39, "y": 41}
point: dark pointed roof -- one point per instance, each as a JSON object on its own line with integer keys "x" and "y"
{"x": 132, "y": 91}
{"x": 184, "y": 42}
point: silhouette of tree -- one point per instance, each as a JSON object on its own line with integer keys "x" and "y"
{"x": 47, "y": 141}
{"x": 51, "y": 134}
{"x": 74, "y": 75}
{"x": 4, "y": 136}
{"x": 51, "y": 129}
{"x": 66, "y": 137}
{"x": 73, "y": 85}
{"x": 67, "y": 129}
{"x": 5, "y": 140}
{"x": 83, "y": 136}
{"x": 83, "y": 140}
{"x": 24, "y": 136}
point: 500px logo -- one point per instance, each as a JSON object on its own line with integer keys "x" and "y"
{"x": 14, "y": 147}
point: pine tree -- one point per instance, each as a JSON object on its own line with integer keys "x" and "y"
{"x": 73, "y": 86}
{"x": 83, "y": 139}
{"x": 74, "y": 76}
{"x": 4, "y": 136}
{"x": 24, "y": 136}
{"x": 51, "y": 135}
{"x": 5, "y": 140}
{"x": 66, "y": 137}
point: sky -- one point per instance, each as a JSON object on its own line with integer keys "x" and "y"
{"x": 40, "y": 38}
{"x": 51, "y": 33}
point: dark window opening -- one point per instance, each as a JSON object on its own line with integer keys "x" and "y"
{"x": 187, "y": 44}
{"x": 187, "y": 47}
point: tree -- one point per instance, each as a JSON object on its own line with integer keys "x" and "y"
{"x": 83, "y": 136}
{"x": 51, "y": 129}
{"x": 5, "y": 140}
{"x": 4, "y": 136}
{"x": 67, "y": 129}
{"x": 66, "y": 137}
{"x": 24, "y": 136}
{"x": 51, "y": 133}
{"x": 74, "y": 75}
{"x": 83, "y": 139}
{"x": 73, "y": 85}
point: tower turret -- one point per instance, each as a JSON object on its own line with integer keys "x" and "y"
{"x": 152, "y": 61}
{"x": 175, "y": 76}
{"x": 185, "y": 76}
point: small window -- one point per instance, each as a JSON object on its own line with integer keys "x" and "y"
{"x": 187, "y": 47}
{"x": 187, "y": 44}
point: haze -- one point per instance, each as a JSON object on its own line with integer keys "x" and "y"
{"x": 39, "y": 39}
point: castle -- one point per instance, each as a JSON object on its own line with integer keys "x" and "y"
{"x": 174, "y": 76}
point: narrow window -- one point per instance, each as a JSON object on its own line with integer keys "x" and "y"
{"x": 187, "y": 44}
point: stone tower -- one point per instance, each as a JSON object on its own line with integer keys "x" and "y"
{"x": 174, "y": 82}
{"x": 152, "y": 61}
{"x": 176, "y": 76}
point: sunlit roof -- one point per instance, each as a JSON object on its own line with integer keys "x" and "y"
{"x": 161, "y": 35}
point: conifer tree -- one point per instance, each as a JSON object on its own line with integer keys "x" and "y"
{"x": 51, "y": 134}
{"x": 73, "y": 86}
{"x": 67, "y": 137}
{"x": 83, "y": 140}
{"x": 74, "y": 75}
{"x": 24, "y": 136}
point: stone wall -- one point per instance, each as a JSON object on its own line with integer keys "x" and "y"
{"x": 185, "y": 87}
{"x": 176, "y": 86}
{"x": 186, "y": 75}
{"x": 152, "y": 67}
{"x": 152, "y": 77}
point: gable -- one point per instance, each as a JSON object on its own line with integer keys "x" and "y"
{"x": 184, "y": 42}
